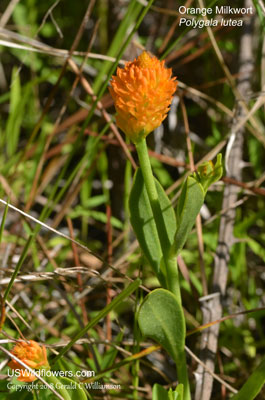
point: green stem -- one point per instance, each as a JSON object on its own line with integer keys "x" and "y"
{"x": 149, "y": 181}
{"x": 127, "y": 189}
{"x": 170, "y": 263}
{"x": 182, "y": 374}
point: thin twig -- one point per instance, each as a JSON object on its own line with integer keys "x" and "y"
{"x": 8, "y": 12}
{"x": 204, "y": 366}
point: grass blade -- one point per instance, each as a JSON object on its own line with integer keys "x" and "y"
{"x": 123, "y": 295}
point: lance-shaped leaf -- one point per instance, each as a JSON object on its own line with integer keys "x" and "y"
{"x": 143, "y": 223}
{"x": 189, "y": 205}
{"x": 192, "y": 198}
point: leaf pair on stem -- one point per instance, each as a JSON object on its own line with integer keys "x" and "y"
{"x": 161, "y": 234}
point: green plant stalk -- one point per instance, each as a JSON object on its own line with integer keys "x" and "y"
{"x": 127, "y": 189}
{"x": 182, "y": 372}
{"x": 172, "y": 278}
{"x": 170, "y": 262}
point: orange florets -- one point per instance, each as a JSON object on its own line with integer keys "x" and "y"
{"x": 142, "y": 92}
{"x": 33, "y": 355}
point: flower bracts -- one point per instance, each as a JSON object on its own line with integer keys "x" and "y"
{"x": 142, "y": 93}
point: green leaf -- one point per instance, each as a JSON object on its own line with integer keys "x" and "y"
{"x": 161, "y": 172}
{"x": 161, "y": 319}
{"x": 97, "y": 215}
{"x": 189, "y": 205}
{"x": 95, "y": 201}
{"x": 19, "y": 98}
{"x": 143, "y": 223}
{"x": 15, "y": 113}
{"x": 253, "y": 385}
{"x": 256, "y": 248}
{"x": 177, "y": 394}
{"x": 159, "y": 393}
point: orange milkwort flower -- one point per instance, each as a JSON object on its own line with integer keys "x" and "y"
{"x": 142, "y": 92}
{"x": 32, "y": 354}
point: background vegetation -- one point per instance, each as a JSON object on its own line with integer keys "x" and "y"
{"x": 64, "y": 163}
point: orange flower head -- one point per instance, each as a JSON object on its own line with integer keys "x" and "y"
{"x": 33, "y": 355}
{"x": 142, "y": 92}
